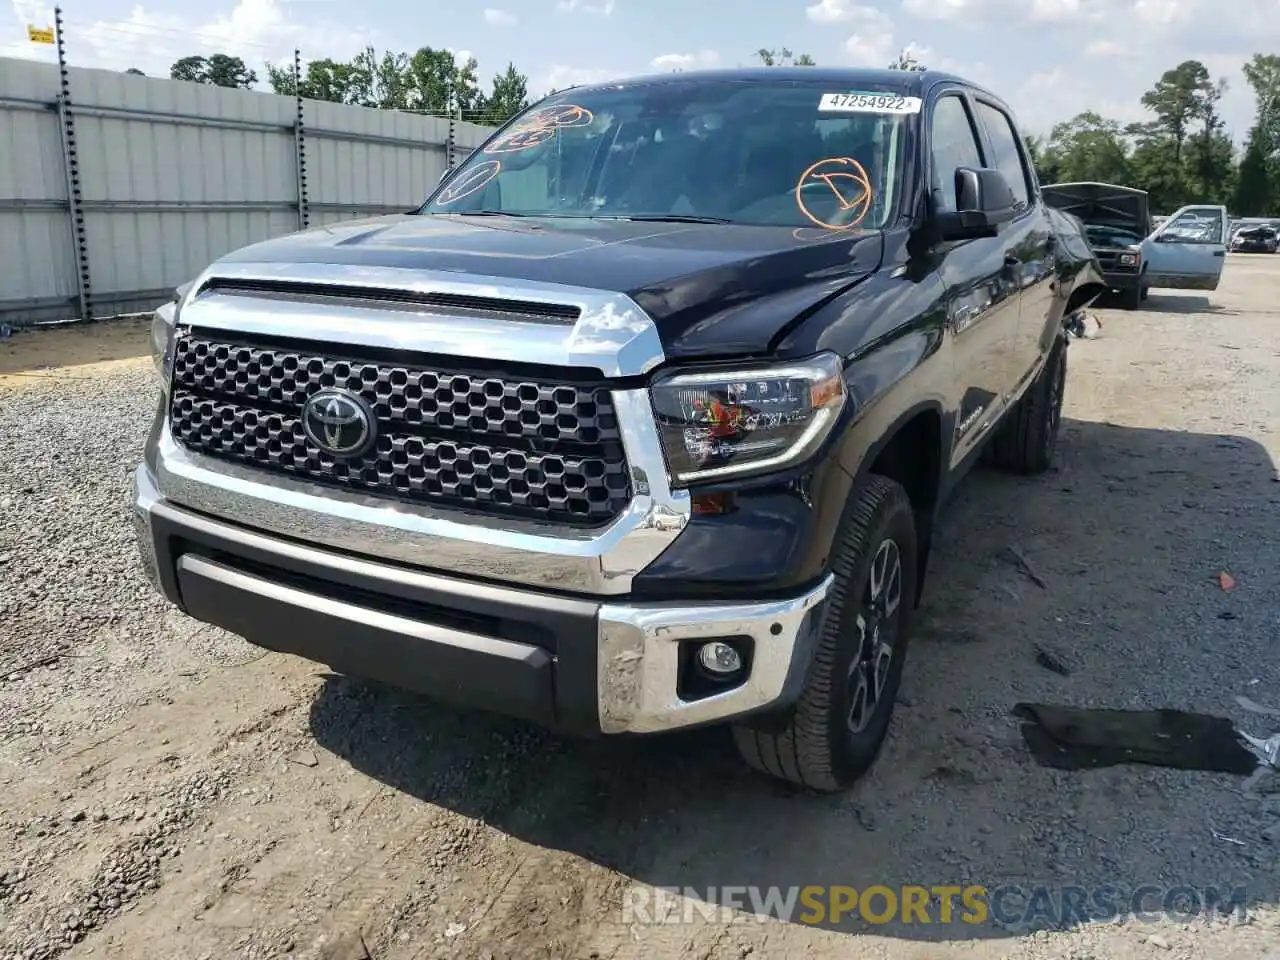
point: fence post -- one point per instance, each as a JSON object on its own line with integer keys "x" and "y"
{"x": 300, "y": 144}
{"x": 71, "y": 166}
{"x": 448, "y": 145}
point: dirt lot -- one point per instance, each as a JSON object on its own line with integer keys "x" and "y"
{"x": 167, "y": 791}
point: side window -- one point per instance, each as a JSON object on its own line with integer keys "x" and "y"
{"x": 1194, "y": 225}
{"x": 952, "y": 144}
{"x": 1007, "y": 158}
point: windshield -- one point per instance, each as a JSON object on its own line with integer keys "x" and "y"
{"x": 1105, "y": 235}
{"x": 788, "y": 154}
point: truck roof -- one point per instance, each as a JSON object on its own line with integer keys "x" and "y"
{"x": 909, "y": 82}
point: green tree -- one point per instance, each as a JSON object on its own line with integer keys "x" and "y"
{"x": 1254, "y": 196}
{"x": 429, "y": 81}
{"x": 784, "y": 58}
{"x": 439, "y": 84}
{"x": 906, "y": 60}
{"x": 379, "y": 82}
{"x": 322, "y": 80}
{"x": 1046, "y": 165}
{"x": 1210, "y": 152}
{"x": 1178, "y": 99}
{"x": 1089, "y": 148}
{"x": 1154, "y": 167}
{"x": 219, "y": 70}
{"x": 1263, "y": 74}
{"x": 510, "y": 95}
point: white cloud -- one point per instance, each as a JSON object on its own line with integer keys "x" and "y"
{"x": 1107, "y": 48}
{"x": 257, "y": 31}
{"x": 602, "y": 7}
{"x": 561, "y": 76}
{"x": 499, "y": 18}
{"x": 871, "y": 44}
{"x": 1168, "y": 11}
{"x": 940, "y": 9}
{"x": 829, "y": 11}
{"x": 686, "y": 61}
{"x": 1055, "y": 10}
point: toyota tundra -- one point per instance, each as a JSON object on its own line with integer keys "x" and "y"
{"x": 642, "y": 421}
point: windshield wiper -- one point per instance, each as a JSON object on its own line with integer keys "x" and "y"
{"x": 669, "y": 218}
{"x": 488, "y": 213}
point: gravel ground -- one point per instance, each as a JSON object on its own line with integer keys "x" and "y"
{"x": 167, "y": 791}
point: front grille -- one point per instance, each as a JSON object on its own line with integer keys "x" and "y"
{"x": 499, "y": 445}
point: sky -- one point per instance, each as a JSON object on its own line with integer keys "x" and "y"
{"x": 1050, "y": 59}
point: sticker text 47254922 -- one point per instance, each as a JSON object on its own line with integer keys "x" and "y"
{"x": 868, "y": 103}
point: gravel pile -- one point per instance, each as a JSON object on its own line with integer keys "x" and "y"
{"x": 76, "y": 614}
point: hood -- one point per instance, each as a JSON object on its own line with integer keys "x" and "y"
{"x": 1102, "y": 204}
{"x": 712, "y": 289}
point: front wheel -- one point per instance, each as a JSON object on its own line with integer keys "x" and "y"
{"x": 837, "y": 727}
{"x": 1027, "y": 438}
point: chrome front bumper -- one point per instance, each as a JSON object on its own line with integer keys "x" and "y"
{"x": 505, "y": 614}
{"x": 617, "y": 664}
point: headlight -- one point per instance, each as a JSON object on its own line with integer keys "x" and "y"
{"x": 163, "y": 324}
{"x": 746, "y": 420}
{"x": 1128, "y": 259}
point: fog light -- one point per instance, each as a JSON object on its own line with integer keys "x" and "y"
{"x": 719, "y": 659}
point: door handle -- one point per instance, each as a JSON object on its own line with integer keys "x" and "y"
{"x": 1050, "y": 241}
{"x": 1010, "y": 260}
{"x": 1219, "y": 253}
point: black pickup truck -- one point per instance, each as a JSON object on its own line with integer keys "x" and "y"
{"x": 641, "y": 422}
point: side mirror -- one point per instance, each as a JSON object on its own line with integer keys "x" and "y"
{"x": 984, "y": 200}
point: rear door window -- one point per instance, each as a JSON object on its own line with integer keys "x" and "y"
{"x": 1007, "y": 155}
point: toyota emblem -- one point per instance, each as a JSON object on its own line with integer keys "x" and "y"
{"x": 339, "y": 422}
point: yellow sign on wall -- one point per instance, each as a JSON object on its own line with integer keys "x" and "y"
{"x": 40, "y": 34}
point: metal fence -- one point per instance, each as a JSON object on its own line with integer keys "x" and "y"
{"x": 116, "y": 188}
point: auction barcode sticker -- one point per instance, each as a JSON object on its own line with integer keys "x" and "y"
{"x": 868, "y": 103}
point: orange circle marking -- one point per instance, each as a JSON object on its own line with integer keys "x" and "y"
{"x": 540, "y": 126}
{"x": 560, "y": 115}
{"x": 521, "y": 140}
{"x": 846, "y": 179}
{"x": 477, "y": 178}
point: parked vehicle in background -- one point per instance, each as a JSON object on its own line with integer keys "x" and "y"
{"x": 1116, "y": 220}
{"x": 1188, "y": 251}
{"x": 1262, "y": 238}
{"x": 643, "y": 421}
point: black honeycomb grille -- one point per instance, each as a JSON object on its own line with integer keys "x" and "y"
{"x": 519, "y": 447}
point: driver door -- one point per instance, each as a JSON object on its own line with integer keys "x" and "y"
{"x": 1188, "y": 251}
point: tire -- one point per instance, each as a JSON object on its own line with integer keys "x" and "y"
{"x": 824, "y": 746}
{"x": 1132, "y": 299}
{"x": 1026, "y": 441}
